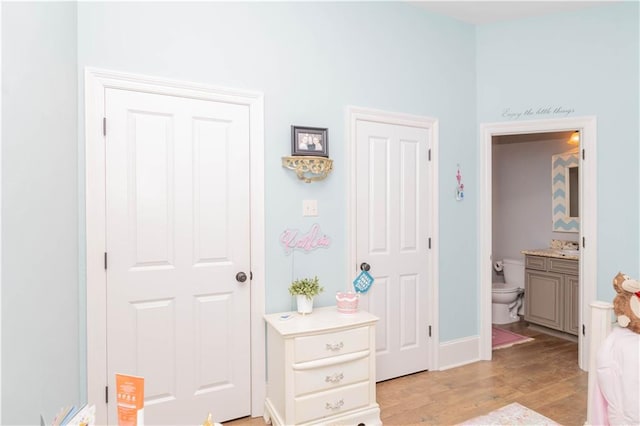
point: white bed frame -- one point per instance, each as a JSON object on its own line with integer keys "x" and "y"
{"x": 601, "y": 322}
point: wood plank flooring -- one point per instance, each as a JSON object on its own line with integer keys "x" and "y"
{"x": 542, "y": 374}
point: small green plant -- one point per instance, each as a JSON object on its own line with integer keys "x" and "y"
{"x": 308, "y": 287}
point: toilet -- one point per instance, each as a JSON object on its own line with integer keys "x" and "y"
{"x": 506, "y": 297}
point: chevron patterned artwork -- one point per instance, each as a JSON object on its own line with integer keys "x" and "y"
{"x": 560, "y": 165}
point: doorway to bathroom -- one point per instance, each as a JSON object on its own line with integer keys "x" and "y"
{"x": 535, "y": 139}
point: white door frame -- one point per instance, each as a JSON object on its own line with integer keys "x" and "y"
{"x": 1, "y": 287}
{"x": 96, "y": 82}
{"x": 588, "y": 219}
{"x": 353, "y": 115}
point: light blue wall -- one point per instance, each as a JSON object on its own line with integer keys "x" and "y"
{"x": 311, "y": 60}
{"x": 586, "y": 61}
{"x": 40, "y": 346}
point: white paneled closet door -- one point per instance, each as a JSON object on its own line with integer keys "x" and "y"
{"x": 178, "y": 242}
{"x": 392, "y": 191}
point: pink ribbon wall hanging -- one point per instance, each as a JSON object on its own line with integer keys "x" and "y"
{"x": 459, "y": 186}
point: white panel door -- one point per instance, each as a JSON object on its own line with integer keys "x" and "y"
{"x": 392, "y": 237}
{"x": 177, "y": 234}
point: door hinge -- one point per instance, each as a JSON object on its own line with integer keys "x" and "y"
{"x": 584, "y": 245}
{"x": 105, "y": 260}
{"x": 104, "y": 126}
{"x": 106, "y": 394}
{"x": 429, "y": 154}
{"x": 429, "y": 331}
{"x": 584, "y": 330}
{"x": 583, "y": 154}
{"x": 429, "y": 242}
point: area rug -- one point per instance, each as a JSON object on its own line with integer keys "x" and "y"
{"x": 512, "y": 414}
{"x": 501, "y": 338}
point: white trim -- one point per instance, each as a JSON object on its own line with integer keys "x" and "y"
{"x": 96, "y": 81}
{"x": 1, "y": 287}
{"x": 588, "y": 219}
{"x": 460, "y": 352}
{"x": 353, "y": 114}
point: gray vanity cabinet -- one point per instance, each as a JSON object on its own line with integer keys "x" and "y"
{"x": 552, "y": 293}
{"x": 572, "y": 304}
{"x": 543, "y": 297}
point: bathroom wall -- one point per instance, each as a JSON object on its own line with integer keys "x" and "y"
{"x": 522, "y": 196}
{"x": 582, "y": 63}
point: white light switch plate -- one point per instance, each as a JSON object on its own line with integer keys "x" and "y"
{"x": 309, "y": 207}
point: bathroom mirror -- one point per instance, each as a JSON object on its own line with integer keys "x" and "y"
{"x": 565, "y": 192}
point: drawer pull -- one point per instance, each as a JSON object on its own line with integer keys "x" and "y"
{"x": 335, "y": 346}
{"x": 335, "y": 378}
{"x": 335, "y": 406}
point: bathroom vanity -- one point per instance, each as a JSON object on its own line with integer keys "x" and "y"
{"x": 552, "y": 289}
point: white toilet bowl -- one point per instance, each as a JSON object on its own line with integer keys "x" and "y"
{"x": 506, "y": 297}
{"x": 502, "y": 298}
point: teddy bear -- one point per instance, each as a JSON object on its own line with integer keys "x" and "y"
{"x": 626, "y": 304}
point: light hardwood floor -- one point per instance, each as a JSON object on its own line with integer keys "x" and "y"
{"x": 542, "y": 374}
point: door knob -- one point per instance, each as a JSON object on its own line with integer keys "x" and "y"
{"x": 241, "y": 277}
{"x": 364, "y": 266}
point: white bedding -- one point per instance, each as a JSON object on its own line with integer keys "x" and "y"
{"x": 618, "y": 378}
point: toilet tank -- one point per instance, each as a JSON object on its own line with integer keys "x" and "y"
{"x": 514, "y": 272}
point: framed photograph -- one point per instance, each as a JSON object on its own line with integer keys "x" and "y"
{"x": 309, "y": 141}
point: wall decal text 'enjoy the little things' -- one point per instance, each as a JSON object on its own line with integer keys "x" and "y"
{"x": 537, "y": 112}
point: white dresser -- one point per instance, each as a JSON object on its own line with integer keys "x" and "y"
{"x": 321, "y": 369}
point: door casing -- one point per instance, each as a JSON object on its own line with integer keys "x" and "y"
{"x": 96, "y": 81}
{"x": 353, "y": 115}
{"x": 588, "y": 219}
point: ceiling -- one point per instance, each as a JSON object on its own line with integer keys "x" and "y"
{"x": 486, "y": 12}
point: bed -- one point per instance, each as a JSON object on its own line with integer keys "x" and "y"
{"x": 614, "y": 371}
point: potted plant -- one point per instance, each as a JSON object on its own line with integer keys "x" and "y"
{"x": 305, "y": 289}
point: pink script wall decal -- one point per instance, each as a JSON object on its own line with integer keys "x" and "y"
{"x": 293, "y": 239}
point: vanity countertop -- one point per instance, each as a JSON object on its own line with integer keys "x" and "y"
{"x": 548, "y": 252}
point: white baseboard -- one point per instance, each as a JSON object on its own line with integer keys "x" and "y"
{"x": 456, "y": 353}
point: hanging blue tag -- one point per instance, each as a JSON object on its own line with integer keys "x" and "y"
{"x": 363, "y": 282}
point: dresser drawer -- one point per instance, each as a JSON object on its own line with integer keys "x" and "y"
{"x": 330, "y": 377}
{"x": 563, "y": 265}
{"x": 320, "y": 346}
{"x": 535, "y": 262}
{"x": 323, "y": 404}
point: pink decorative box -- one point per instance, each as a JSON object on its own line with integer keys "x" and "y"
{"x": 347, "y": 302}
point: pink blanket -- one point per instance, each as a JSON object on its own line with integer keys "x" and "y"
{"x": 617, "y": 400}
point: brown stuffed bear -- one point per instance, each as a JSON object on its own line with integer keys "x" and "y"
{"x": 626, "y": 304}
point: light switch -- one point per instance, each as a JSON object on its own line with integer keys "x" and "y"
{"x": 309, "y": 207}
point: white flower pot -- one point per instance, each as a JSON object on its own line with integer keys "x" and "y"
{"x": 305, "y": 305}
